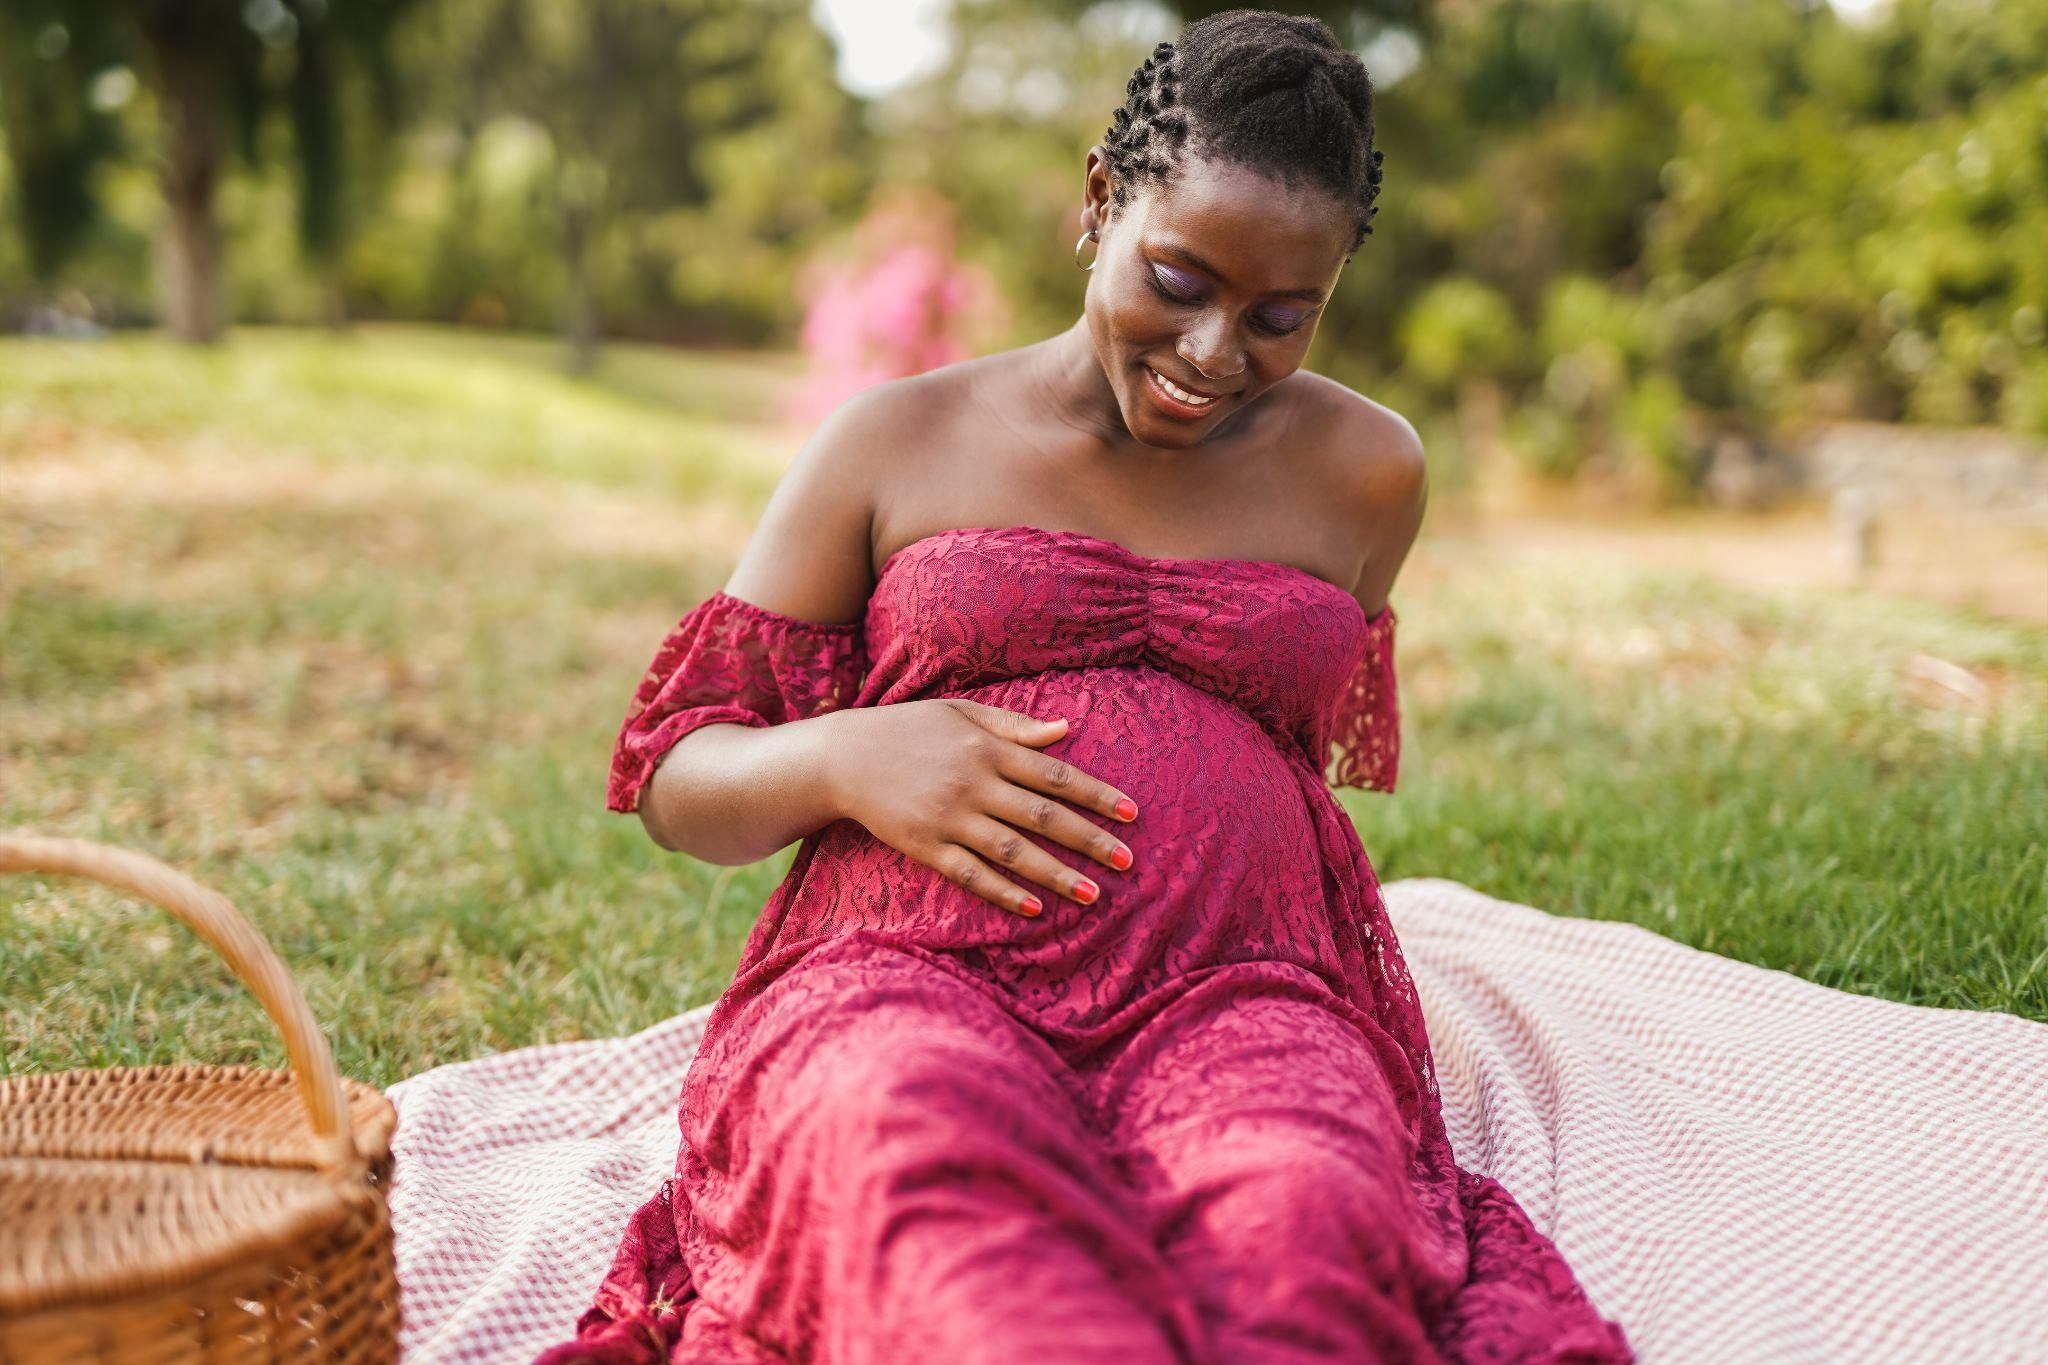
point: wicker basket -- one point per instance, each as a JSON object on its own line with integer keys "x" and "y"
{"x": 190, "y": 1213}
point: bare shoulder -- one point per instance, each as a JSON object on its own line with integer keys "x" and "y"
{"x": 892, "y": 431}
{"x": 873, "y": 432}
{"x": 1373, "y": 450}
{"x": 811, "y": 554}
{"x": 1376, "y": 470}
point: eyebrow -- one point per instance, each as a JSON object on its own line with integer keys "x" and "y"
{"x": 1310, "y": 295}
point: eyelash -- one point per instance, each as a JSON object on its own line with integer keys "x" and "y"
{"x": 1152, "y": 278}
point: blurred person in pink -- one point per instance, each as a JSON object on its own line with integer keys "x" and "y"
{"x": 899, "y": 305}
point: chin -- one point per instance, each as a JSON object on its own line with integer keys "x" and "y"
{"x": 1163, "y": 433}
{"x": 1174, "y": 438}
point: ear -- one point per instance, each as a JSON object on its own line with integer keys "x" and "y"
{"x": 1095, "y": 187}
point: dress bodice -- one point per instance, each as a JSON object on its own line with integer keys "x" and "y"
{"x": 978, "y": 605}
{"x": 972, "y": 606}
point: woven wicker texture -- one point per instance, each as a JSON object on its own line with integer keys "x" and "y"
{"x": 194, "y": 1213}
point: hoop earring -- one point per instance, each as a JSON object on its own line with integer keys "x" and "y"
{"x": 1086, "y": 237}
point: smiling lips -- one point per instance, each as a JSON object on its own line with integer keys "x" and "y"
{"x": 1187, "y": 398}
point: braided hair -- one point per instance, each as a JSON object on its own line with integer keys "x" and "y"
{"x": 1275, "y": 92}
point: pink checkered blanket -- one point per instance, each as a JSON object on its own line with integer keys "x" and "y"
{"x": 1738, "y": 1164}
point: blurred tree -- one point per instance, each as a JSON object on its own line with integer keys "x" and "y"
{"x": 217, "y": 67}
{"x": 634, "y": 96}
{"x": 54, "y": 135}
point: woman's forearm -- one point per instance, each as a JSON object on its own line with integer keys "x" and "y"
{"x": 733, "y": 794}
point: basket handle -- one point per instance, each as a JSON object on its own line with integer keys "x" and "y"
{"x": 208, "y": 914}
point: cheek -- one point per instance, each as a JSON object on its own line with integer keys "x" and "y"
{"x": 1269, "y": 364}
{"x": 1132, "y": 318}
{"x": 1274, "y": 358}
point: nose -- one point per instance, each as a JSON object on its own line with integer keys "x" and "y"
{"x": 1210, "y": 350}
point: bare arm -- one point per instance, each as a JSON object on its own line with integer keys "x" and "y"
{"x": 733, "y": 794}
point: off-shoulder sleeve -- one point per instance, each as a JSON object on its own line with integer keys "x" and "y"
{"x": 731, "y": 662}
{"x": 1365, "y": 724}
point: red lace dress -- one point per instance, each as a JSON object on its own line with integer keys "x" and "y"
{"x": 1195, "y": 1121}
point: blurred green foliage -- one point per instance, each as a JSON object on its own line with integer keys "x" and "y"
{"x": 1631, "y": 226}
{"x": 648, "y": 167}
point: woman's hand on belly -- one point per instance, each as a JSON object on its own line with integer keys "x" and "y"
{"x": 952, "y": 783}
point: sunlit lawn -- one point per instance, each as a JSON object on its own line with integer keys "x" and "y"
{"x": 344, "y": 628}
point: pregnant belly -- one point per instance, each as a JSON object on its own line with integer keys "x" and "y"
{"x": 1226, "y": 865}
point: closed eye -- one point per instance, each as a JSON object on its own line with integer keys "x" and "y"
{"x": 1281, "y": 325}
{"x": 1161, "y": 285}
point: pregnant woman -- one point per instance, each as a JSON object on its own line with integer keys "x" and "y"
{"x": 1076, "y": 1031}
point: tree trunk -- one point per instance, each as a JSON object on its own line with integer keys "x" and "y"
{"x": 190, "y": 253}
{"x": 333, "y": 298}
{"x": 580, "y": 309}
{"x": 1482, "y": 414}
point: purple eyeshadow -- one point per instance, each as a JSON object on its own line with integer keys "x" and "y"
{"x": 1187, "y": 284}
{"x": 1188, "y": 289}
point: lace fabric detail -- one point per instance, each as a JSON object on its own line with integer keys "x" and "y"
{"x": 731, "y": 662}
{"x": 1365, "y": 722}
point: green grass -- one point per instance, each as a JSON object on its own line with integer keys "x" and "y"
{"x": 1750, "y": 775}
{"x": 344, "y": 628}
{"x": 408, "y": 397}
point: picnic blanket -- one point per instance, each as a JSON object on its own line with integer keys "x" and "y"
{"x": 1739, "y": 1164}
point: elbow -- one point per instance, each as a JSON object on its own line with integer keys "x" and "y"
{"x": 670, "y": 840}
{"x": 655, "y": 830}
{"x": 683, "y": 814}
{"x": 657, "y": 806}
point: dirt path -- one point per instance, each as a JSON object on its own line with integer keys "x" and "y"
{"x": 1971, "y": 562}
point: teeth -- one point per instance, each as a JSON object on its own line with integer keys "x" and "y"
{"x": 1178, "y": 392}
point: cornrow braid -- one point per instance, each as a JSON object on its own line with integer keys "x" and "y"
{"x": 1274, "y": 92}
{"x": 1148, "y": 129}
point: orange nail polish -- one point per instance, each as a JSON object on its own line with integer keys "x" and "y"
{"x": 1126, "y": 809}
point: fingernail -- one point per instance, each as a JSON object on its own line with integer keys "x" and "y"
{"x": 1126, "y": 809}
{"x": 1120, "y": 857}
{"x": 1031, "y": 906}
{"x": 1086, "y": 891}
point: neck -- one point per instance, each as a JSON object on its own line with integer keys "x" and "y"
{"x": 1070, "y": 375}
